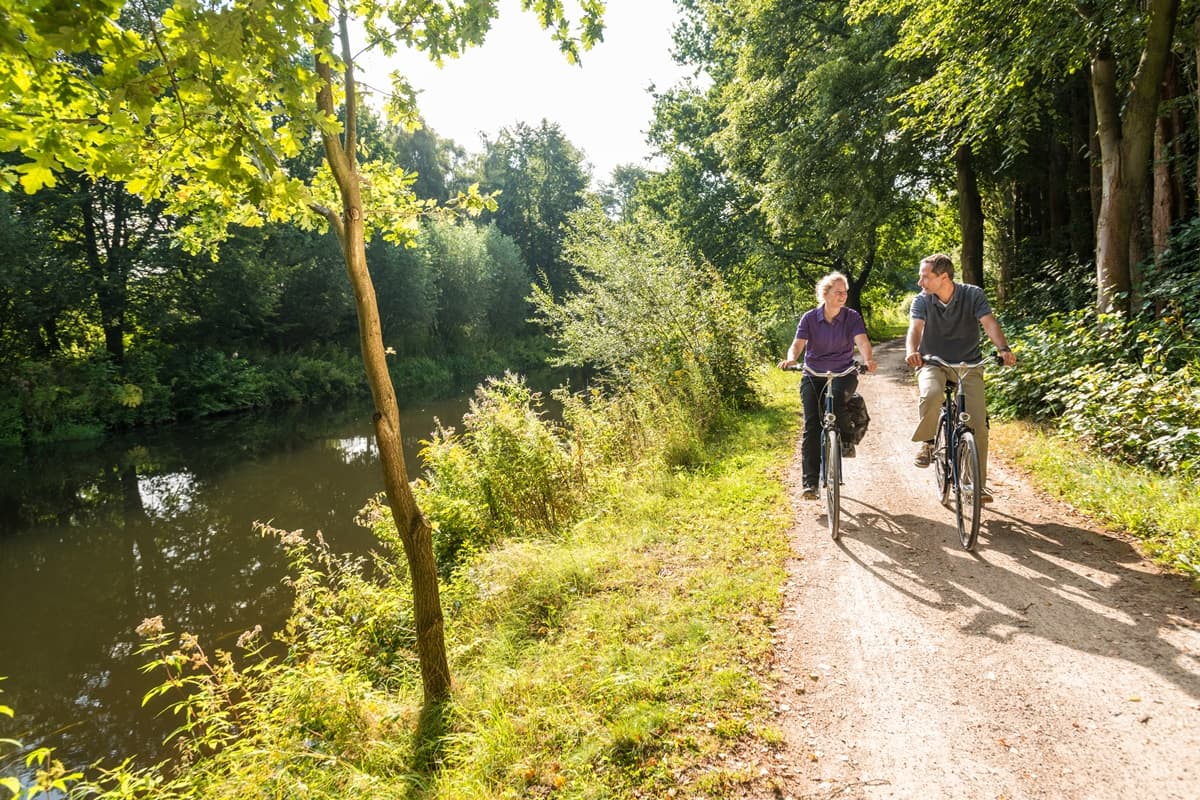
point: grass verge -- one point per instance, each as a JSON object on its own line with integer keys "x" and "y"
{"x": 1162, "y": 511}
{"x": 612, "y": 662}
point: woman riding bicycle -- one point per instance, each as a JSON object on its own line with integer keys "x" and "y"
{"x": 826, "y": 336}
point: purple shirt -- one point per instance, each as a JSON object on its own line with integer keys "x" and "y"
{"x": 830, "y": 345}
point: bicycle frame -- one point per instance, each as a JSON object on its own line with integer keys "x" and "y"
{"x": 829, "y": 420}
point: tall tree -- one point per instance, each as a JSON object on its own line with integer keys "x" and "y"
{"x": 201, "y": 107}
{"x": 997, "y": 65}
{"x": 114, "y": 229}
{"x": 541, "y": 178}
{"x": 809, "y": 123}
{"x": 1126, "y": 113}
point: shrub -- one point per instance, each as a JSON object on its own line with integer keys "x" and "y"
{"x": 510, "y": 472}
{"x": 1115, "y": 384}
{"x": 210, "y": 382}
{"x": 1140, "y": 417}
{"x": 649, "y": 318}
{"x": 1049, "y": 353}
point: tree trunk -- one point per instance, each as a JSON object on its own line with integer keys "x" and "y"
{"x": 858, "y": 282}
{"x": 1162, "y": 193}
{"x": 1058, "y": 216}
{"x": 1140, "y": 248}
{"x": 970, "y": 217}
{"x": 1125, "y": 145}
{"x": 416, "y": 534}
{"x": 107, "y": 263}
{"x": 1176, "y": 141}
{"x": 1082, "y": 210}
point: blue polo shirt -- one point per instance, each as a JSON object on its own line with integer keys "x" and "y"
{"x": 830, "y": 345}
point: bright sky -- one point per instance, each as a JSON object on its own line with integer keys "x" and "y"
{"x": 518, "y": 75}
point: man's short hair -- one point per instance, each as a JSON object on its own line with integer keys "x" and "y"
{"x": 940, "y": 264}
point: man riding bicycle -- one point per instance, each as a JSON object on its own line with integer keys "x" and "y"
{"x": 944, "y": 321}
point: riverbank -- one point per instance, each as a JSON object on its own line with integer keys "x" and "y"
{"x": 610, "y": 659}
{"x": 81, "y": 398}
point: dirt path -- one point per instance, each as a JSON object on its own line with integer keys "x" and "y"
{"x": 1054, "y": 662}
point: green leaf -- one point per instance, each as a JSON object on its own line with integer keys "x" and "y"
{"x": 35, "y": 177}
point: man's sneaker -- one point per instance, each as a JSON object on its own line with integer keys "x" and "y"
{"x": 924, "y": 455}
{"x": 810, "y": 493}
{"x": 847, "y": 450}
{"x": 985, "y": 497}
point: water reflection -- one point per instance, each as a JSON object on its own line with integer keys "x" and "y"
{"x": 93, "y": 540}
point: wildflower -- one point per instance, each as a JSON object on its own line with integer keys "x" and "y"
{"x": 249, "y": 637}
{"x": 150, "y": 627}
{"x": 292, "y": 538}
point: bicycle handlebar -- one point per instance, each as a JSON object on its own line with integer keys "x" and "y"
{"x": 962, "y": 365}
{"x": 861, "y": 369}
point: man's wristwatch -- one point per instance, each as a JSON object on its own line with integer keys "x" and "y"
{"x": 1004, "y": 350}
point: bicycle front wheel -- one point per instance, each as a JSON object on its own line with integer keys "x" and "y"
{"x": 832, "y": 459}
{"x": 942, "y": 470}
{"x": 968, "y": 491}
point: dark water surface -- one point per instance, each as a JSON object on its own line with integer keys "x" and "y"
{"x": 95, "y": 539}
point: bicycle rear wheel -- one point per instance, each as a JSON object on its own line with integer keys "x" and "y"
{"x": 831, "y": 458}
{"x": 968, "y": 491}
{"x": 942, "y": 469}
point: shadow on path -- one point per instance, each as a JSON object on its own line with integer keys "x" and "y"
{"x": 1066, "y": 584}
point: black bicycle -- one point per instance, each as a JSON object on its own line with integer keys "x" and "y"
{"x": 956, "y": 455}
{"x": 831, "y": 446}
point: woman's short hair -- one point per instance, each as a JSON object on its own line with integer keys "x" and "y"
{"x": 829, "y": 280}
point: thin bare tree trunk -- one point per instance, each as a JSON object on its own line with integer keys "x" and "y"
{"x": 416, "y": 534}
{"x": 1162, "y": 193}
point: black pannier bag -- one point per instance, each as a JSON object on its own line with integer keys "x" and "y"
{"x": 854, "y": 426}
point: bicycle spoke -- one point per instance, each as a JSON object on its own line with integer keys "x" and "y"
{"x": 941, "y": 461}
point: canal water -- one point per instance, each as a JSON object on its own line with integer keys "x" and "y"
{"x": 93, "y": 539}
